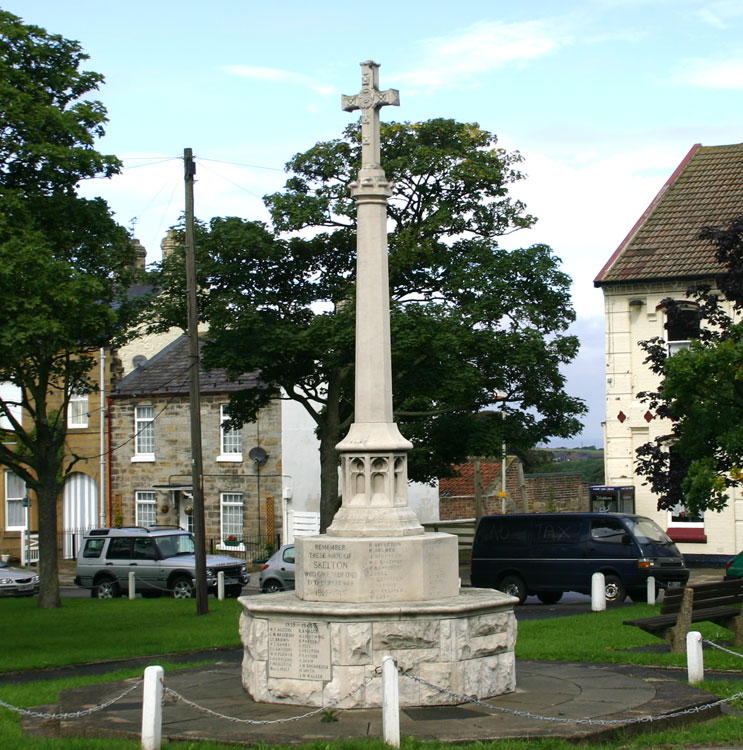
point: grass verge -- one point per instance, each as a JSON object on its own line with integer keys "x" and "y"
{"x": 88, "y": 630}
{"x": 93, "y": 630}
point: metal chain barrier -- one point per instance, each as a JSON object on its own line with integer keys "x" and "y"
{"x": 178, "y": 697}
{"x": 72, "y": 714}
{"x": 722, "y": 648}
{"x": 563, "y": 720}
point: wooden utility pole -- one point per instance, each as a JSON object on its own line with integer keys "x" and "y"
{"x": 199, "y": 526}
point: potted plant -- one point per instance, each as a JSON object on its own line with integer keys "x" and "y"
{"x": 165, "y": 508}
{"x": 188, "y": 510}
{"x": 231, "y": 541}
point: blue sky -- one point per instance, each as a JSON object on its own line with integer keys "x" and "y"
{"x": 602, "y": 97}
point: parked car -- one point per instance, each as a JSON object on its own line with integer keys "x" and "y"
{"x": 163, "y": 559}
{"x": 278, "y": 572}
{"x": 734, "y": 569}
{"x": 549, "y": 553}
{"x": 17, "y": 582}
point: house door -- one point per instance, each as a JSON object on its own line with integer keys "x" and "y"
{"x": 79, "y": 510}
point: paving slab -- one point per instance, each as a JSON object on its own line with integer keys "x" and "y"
{"x": 556, "y": 691}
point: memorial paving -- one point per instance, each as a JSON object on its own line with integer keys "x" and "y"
{"x": 557, "y": 690}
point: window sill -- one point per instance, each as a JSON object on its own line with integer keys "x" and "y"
{"x": 235, "y": 458}
{"x": 142, "y": 458}
{"x": 680, "y": 534}
{"x": 231, "y": 547}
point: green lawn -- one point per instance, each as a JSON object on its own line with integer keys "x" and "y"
{"x": 86, "y": 630}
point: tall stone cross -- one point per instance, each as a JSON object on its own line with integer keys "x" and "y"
{"x": 370, "y": 100}
{"x": 373, "y": 453}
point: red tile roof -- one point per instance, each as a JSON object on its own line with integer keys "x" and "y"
{"x": 464, "y": 484}
{"x": 705, "y": 190}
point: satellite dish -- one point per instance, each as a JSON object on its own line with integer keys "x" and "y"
{"x": 139, "y": 360}
{"x": 258, "y": 455}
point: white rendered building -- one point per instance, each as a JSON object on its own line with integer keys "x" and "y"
{"x": 659, "y": 259}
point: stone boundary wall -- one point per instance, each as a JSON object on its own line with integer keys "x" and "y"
{"x": 545, "y": 493}
{"x": 558, "y": 492}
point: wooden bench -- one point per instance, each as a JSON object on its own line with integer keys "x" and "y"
{"x": 718, "y": 602}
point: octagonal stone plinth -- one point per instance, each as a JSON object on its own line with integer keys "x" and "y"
{"x": 317, "y": 654}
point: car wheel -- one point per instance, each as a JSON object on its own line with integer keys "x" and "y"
{"x": 614, "y": 588}
{"x": 183, "y": 588}
{"x": 232, "y": 592}
{"x": 549, "y": 597}
{"x": 272, "y": 586}
{"x": 513, "y": 586}
{"x": 106, "y": 588}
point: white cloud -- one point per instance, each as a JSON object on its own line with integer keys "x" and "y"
{"x": 718, "y": 14}
{"x": 276, "y": 75}
{"x": 713, "y": 74}
{"x": 483, "y": 47}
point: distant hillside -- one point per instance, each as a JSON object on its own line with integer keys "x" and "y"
{"x": 588, "y": 462}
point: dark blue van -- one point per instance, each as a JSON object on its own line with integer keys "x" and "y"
{"x": 549, "y": 553}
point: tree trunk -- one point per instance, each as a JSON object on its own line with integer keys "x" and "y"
{"x": 329, "y": 434}
{"x": 47, "y": 494}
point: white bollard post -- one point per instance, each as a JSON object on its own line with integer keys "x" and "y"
{"x": 220, "y": 585}
{"x": 390, "y": 703}
{"x": 132, "y": 585}
{"x": 598, "y": 592}
{"x": 152, "y": 708}
{"x": 651, "y": 590}
{"x": 694, "y": 657}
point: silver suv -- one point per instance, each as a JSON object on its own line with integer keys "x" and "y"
{"x": 162, "y": 558}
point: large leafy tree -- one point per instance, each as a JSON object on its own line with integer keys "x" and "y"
{"x": 700, "y": 459}
{"x": 469, "y": 319}
{"x": 65, "y": 265}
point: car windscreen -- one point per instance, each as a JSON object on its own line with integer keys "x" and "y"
{"x": 171, "y": 545}
{"x": 651, "y": 536}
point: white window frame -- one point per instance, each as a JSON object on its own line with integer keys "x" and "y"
{"x": 230, "y": 441}
{"x": 145, "y": 508}
{"x": 14, "y": 499}
{"x": 144, "y": 433}
{"x": 697, "y": 523}
{"x": 77, "y": 411}
{"x": 231, "y": 501}
{"x": 673, "y": 346}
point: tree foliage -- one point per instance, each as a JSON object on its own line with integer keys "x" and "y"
{"x": 468, "y": 318}
{"x": 65, "y": 265}
{"x": 701, "y": 392}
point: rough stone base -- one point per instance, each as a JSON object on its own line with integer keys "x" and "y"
{"x": 464, "y": 644}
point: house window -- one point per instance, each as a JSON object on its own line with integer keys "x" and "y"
{"x": 232, "y": 516}
{"x": 682, "y": 325}
{"x": 77, "y": 410}
{"x": 15, "y": 511}
{"x": 682, "y": 526}
{"x": 144, "y": 433}
{"x": 146, "y": 508}
{"x": 231, "y": 441}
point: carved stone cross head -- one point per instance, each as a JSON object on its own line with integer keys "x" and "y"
{"x": 370, "y": 100}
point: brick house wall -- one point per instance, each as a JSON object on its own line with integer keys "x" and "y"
{"x": 532, "y": 493}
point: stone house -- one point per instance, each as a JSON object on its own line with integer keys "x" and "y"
{"x": 82, "y": 504}
{"x": 151, "y": 454}
{"x": 659, "y": 259}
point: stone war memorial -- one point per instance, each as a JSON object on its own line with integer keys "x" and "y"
{"x": 376, "y": 584}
